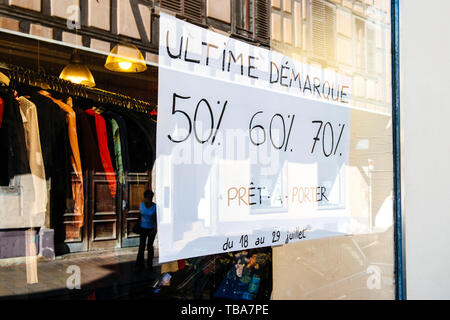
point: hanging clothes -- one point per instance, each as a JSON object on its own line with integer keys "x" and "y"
{"x": 53, "y": 135}
{"x": 53, "y": 129}
{"x": 77, "y": 186}
{"x": 14, "y": 159}
{"x": 117, "y": 150}
{"x": 123, "y": 139}
{"x": 114, "y": 143}
{"x": 148, "y": 127}
{"x": 102, "y": 139}
{"x": 138, "y": 145}
{"x": 110, "y": 140}
{"x": 23, "y": 203}
{"x": 35, "y": 202}
{"x": 87, "y": 138}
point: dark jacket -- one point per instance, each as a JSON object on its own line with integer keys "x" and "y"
{"x": 87, "y": 140}
{"x": 55, "y": 147}
{"x": 13, "y": 152}
{"x": 141, "y": 141}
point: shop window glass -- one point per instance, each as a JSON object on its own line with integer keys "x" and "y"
{"x": 346, "y": 37}
{"x": 191, "y": 9}
{"x": 351, "y": 38}
{"x": 244, "y": 17}
{"x": 252, "y": 20}
{"x": 323, "y": 21}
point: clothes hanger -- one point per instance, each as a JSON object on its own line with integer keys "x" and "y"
{"x": 36, "y": 80}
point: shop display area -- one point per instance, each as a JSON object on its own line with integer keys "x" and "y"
{"x": 312, "y": 220}
{"x": 90, "y": 190}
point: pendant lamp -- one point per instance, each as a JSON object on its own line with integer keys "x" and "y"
{"x": 77, "y": 72}
{"x": 125, "y": 58}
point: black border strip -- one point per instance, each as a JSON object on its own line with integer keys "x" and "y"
{"x": 400, "y": 273}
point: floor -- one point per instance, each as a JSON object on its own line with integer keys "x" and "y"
{"x": 93, "y": 275}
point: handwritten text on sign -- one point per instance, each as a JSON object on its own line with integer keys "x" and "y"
{"x": 252, "y": 146}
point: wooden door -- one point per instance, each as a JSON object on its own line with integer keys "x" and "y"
{"x": 108, "y": 222}
{"x": 104, "y": 215}
{"x": 133, "y": 195}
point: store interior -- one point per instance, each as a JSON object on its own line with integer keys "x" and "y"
{"x": 107, "y": 221}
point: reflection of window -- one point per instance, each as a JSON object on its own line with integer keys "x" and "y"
{"x": 251, "y": 19}
{"x": 244, "y": 17}
{"x": 323, "y": 21}
{"x": 360, "y": 45}
{"x": 370, "y": 50}
{"x": 274, "y": 188}
{"x": 287, "y": 23}
{"x": 191, "y": 9}
{"x": 332, "y": 178}
{"x": 365, "y": 47}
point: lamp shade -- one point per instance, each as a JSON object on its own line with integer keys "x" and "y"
{"x": 77, "y": 72}
{"x": 125, "y": 58}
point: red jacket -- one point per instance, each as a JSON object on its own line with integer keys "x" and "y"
{"x": 102, "y": 138}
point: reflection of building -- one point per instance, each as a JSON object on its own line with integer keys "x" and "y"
{"x": 40, "y": 35}
{"x": 350, "y": 37}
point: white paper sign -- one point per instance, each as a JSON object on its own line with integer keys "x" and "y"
{"x": 252, "y": 147}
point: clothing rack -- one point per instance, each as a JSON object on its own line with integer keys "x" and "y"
{"x": 18, "y": 74}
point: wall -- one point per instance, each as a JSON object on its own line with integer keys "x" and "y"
{"x": 424, "y": 67}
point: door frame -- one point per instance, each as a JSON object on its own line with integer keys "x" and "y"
{"x": 400, "y": 269}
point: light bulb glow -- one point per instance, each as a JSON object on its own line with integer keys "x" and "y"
{"x": 79, "y": 74}
{"x": 125, "y": 65}
{"x": 76, "y": 80}
{"x": 125, "y": 58}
